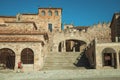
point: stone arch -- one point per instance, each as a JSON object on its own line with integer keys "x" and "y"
{"x": 62, "y": 36}
{"x": 27, "y": 56}
{"x": 119, "y": 56}
{"x": 7, "y": 58}
{"x": 71, "y": 45}
{"x": 109, "y": 57}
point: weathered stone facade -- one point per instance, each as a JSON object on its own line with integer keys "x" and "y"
{"x": 35, "y": 38}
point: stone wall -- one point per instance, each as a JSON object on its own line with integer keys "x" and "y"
{"x": 99, "y": 49}
{"x": 90, "y": 53}
{"x": 7, "y": 18}
{"x": 43, "y": 21}
{"x": 17, "y": 47}
{"x": 100, "y": 31}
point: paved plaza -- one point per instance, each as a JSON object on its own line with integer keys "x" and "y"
{"x": 76, "y": 74}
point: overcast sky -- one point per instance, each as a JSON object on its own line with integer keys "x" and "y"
{"x": 78, "y": 12}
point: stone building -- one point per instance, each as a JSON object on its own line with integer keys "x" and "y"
{"x": 40, "y": 43}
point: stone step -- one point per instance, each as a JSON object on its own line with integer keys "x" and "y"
{"x": 56, "y": 67}
{"x": 62, "y": 55}
{"x": 64, "y": 60}
{"x": 60, "y": 63}
{"x": 60, "y": 59}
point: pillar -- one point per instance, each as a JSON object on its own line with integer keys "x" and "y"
{"x": 113, "y": 61}
{"x": 17, "y": 59}
{"x": 116, "y": 39}
{"x": 117, "y": 60}
{"x": 64, "y": 46}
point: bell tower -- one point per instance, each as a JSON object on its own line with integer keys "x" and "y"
{"x": 50, "y": 18}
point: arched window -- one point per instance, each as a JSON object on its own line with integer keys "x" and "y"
{"x": 50, "y": 13}
{"x": 43, "y": 13}
{"x": 56, "y": 13}
{"x": 27, "y": 56}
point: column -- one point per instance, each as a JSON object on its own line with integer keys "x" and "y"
{"x": 64, "y": 46}
{"x": 117, "y": 60}
{"x": 113, "y": 63}
{"x": 116, "y": 39}
{"x": 17, "y": 59}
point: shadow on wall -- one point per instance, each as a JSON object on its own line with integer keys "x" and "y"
{"x": 82, "y": 61}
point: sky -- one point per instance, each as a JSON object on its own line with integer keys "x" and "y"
{"x": 76, "y": 12}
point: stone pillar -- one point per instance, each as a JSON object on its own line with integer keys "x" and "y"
{"x": 17, "y": 59}
{"x": 64, "y": 46}
{"x": 73, "y": 49}
{"x": 113, "y": 61}
{"x": 55, "y": 48}
{"x": 117, "y": 60}
{"x": 37, "y": 66}
{"x": 116, "y": 39}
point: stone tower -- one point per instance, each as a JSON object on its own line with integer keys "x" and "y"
{"x": 50, "y": 18}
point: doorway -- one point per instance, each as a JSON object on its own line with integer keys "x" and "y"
{"x": 109, "y": 57}
{"x": 7, "y": 58}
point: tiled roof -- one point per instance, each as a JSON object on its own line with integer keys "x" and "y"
{"x": 20, "y": 39}
{"x": 22, "y": 22}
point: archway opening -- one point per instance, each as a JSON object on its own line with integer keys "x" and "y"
{"x": 7, "y": 58}
{"x": 109, "y": 57}
{"x": 27, "y": 56}
{"x": 71, "y": 45}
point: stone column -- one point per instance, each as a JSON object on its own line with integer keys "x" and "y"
{"x": 116, "y": 39}
{"x": 113, "y": 63}
{"x": 64, "y": 46}
{"x": 117, "y": 60}
{"x": 73, "y": 49}
{"x": 17, "y": 59}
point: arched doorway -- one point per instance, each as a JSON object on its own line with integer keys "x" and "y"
{"x": 71, "y": 45}
{"x": 109, "y": 57}
{"x": 27, "y": 56}
{"x": 7, "y": 58}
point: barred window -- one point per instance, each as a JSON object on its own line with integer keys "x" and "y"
{"x": 27, "y": 56}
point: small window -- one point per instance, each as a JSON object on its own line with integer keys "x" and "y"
{"x": 50, "y": 13}
{"x": 43, "y": 13}
{"x": 56, "y": 13}
{"x": 50, "y": 27}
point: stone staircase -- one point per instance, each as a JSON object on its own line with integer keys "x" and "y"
{"x": 64, "y": 60}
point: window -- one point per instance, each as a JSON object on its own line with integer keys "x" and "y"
{"x": 43, "y": 13}
{"x": 50, "y": 27}
{"x": 27, "y": 56}
{"x": 56, "y": 13}
{"x": 50, "y": 13}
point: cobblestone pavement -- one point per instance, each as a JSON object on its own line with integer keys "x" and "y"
{"x": 108, "y": 74}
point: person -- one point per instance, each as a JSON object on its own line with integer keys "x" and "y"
{"x": 20, "y": 67}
